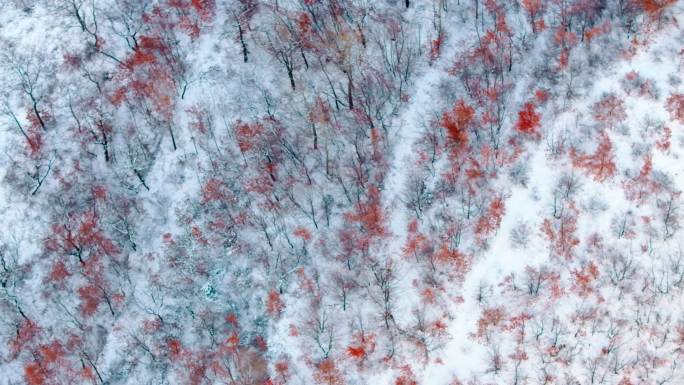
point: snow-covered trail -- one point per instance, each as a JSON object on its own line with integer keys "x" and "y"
{"x": 423, "y": 105}
{"x": 404, "y": 159}
{"x": 416, "y": 116}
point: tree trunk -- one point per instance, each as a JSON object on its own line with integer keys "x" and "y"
{"x": 173, "y": 138}
{"x": 35, "y": 111}
{"x": 315, "y": 136}
{"x": 350, "y": 86}
{"x": 289, "y": 74}
{"x": 242, "y": 43}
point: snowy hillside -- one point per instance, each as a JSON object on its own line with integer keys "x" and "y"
{"x": 272, "y": 192}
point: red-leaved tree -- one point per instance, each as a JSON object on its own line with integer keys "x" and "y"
{"x": 529, "y": 121}
{"x": 601, "y": 164}
{"x": 456, "y": 123}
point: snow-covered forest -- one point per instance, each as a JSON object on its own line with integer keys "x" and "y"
{"x": 341, "y": 192}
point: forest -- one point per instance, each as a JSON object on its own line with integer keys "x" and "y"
{"x": 341, "y": 192}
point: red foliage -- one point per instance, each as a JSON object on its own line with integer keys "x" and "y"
{"x": 199, "y": 118}
{"x": 518, "y": 321}
{"x": 610, "y": 110}
{"x": 294, "y": 332}
{"x": 198, "y": 235}
{"x": 528, "y": 120}
{"x": 304, "y": 27}
{"x": 151, "y": 325}
{"x": 175, "y": 349}
{"x": 233, "y": 342}
{"x": 541, "y": 96}
{"x": 150, "y": 74}
{"x": 439, "y": 328}
{"x": 456, "y": 123}
{"x": 320, "y": 112}
{"x": 428, "y": 295}
{"x": 27, "y": 331}
{"x": 435, "y": 48}
{"x": 302, "y": 233}
{"x": 144, "y": 55}
{"x": 262, "y": 184}
{"x": 564, "y": 58}
{"x": 596, "y": 31}
{"x": 363, "y": 346}
{"x": 543, "y": 277}
{"x": 282, "y": 370}
{"x": 213, "y": 190}
{"x": 205, "y": 9}
{"x": 327, "y": 373}
{"x": 51, "y": 352}
{"x": 664, "y": 143}
{"x": 654, "y": 7}
{"x": 49, "y": 366}
{"x": 307, "y": 285}
{"x": 248, "y": 135}
{"x": 91, "y": 296}
{"x": 306, "y": 35}
{"x": 274, "y": 305}
{"x": 635, "y": 83}
{"x": 90, "y": 235}
{"x": 99, "y": 192}
{"x": 491, "y": 317}
{"x": 565, "y": 38}
{"x": 639, "y": 187}
{"x": 232, "y": 320}
{"x": 415, "y": 241}
{"x": 519, "y": 355}
{"x": 196, "y": 371}
{"x": 584, "y": 278}
{"x": 72, "y": 61}
{"x": 81, "y": 236}
{"x": 561, "y": 233}
{"x": 260, "y": 343}
{"x": 675, "y": 106}
{"x": 58, "y": 272}
{"x": 369, "y": 214}
{"x": 34, "y": 133}
{"x": 491, "y": 219}
{"x": 87, "y": 373}
{"x": 406, "y": 377}
{"x": 492, "y": 52}
{"x": 357, "y": 352}
{"x": 190, "y": 14}
{"x": 533, "y": 7}
{"x": 35, "y": 374}
{"x": 118, "y": 96}
{"x": 458, "y": 262}
{"x": 600, "y": 165}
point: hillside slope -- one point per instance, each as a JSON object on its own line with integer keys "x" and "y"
{"x": 341, "y": 192}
